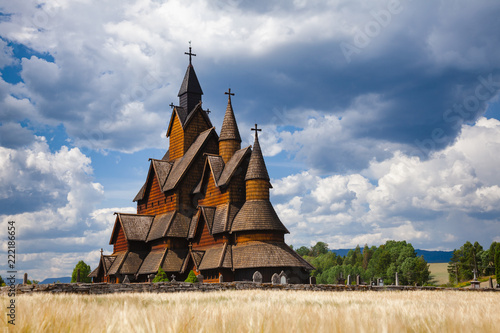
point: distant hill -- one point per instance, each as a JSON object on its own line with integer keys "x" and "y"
{"x": 429, "y": 256}
{"x": 66, "y": 279}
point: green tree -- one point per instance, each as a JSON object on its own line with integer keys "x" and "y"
{"x": 464, "y": 260}
{"x": 161, "y": 276}
{"x": 191, "y": 278}
{"x": 497, "y": 262}
{"x": 2, "y": 282}
{"x": 319, "y": 248}
{"x": 84, "y": 272}
{"x": 303, "y": 251}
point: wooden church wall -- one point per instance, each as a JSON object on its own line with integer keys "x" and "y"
{"x": 120, "y": 242}
{"x": 196, "y": 126}
{"x": 155, "y": 201}
{"x": 213, "y": 195}
{"x": 176, "y": 140}
{"x": 204, "y": 240}
{"x": 193, "y": 177}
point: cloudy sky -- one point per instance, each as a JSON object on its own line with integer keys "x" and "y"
{"x": 381, "y": 118}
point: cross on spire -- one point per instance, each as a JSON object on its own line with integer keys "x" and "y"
{"x": 172, "y": 105}
{"x": 229, "y": 93}
{"x": 190, "y": 53}
{"x": 208, "y": 111}
{"x": 256, "y": 129}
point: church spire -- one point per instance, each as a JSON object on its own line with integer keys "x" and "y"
{"x": 229, "y": 140}
{"x": 190, "y": 91}
{"x": 257, "y": 167}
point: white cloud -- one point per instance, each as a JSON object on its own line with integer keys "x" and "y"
{"x": 443, "y": 200}
{"x": 51, "y": 197}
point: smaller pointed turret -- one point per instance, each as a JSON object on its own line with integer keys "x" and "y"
{"x": 229, "y": 140}
{"x": 257, "y": 178}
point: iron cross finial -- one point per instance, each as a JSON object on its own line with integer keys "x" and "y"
{"x": 229, "y": 93}
{"x": 256, "y": 129}
{"x": 208, "y": 111}
{"x": 172, "y": 105}
{"x": 190, "y": 53}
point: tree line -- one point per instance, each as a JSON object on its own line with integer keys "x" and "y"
{"x": 470, "y": 257}
{"x": 370, "y": 263}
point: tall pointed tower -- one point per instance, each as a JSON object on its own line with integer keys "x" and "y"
{"x": 190, "y": 91}
{"x": 229, "y": 139}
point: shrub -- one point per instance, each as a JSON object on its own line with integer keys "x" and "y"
{"x": 191, "y": 278}
{"x": 161, "y": 276}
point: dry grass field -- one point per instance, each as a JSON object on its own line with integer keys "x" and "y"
{"x": 439, "y": 273}
{"x": 259, "y": 311}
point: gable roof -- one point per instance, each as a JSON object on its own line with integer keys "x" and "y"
{"x": 197, "y": 257}
{"x": 208, "y": 214}
{"x": 185, "y": 117}
{"x": 160, "y": 226}
{"x": 224, "y": 216}
{"x": 221, "y": 172}
{"x": 182, "y": 165}
{"x": 194, "y": 224}
{"x": 132, "y": 262}
{"x": 257, "y": 215}
{"x": 152, "y": 261}
{"x": 219, "y": 256}
{"x": 174, "y": 260}
{"x": 162, "y": 169}
{"x": 170, "y": 224}
{"x": 115, "y": 266}
{"x": 135, "y": 227}
{"x": 232, "y": 165}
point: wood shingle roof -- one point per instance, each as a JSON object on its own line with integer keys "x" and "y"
{"x": 135, "y": 227}
{"x": 229, "y": 129}
{"x": 257, "y": 167}
{"x": 152, "y": 261}
{"x": 266, "y": 254}
{"x": 257, "y": 215}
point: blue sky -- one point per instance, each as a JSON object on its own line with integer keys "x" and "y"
{"x": 380, "y": 118}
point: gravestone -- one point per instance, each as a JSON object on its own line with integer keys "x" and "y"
{"x": 283, "y": 278}
{"x": 221, "y": 279}
{"x": 275, "y": 279}
{"x": 200, "y": 278}
{"x": 257, "y": 277}
{"x": 172, "y": 278}
{"x": 349, "y": 280}
{"x": 380, "y": 282}
{"x": 126, "y": 279}
{"x": 358, "y": 280}
{"x": 397, "y": 280}
{"x": 312, "y": 280}
{"x": 25, "y": 278}
{"x": 151, "y": 277}
{"x": 490, "y": 283}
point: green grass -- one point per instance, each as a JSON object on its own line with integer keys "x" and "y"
{"x": 439, "y": 273}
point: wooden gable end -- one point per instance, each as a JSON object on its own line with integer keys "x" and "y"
{"x": 195, "y": 125}
{"x": 212, "y": 195}
{"x": 203, "y": 239}
{"x": 193, "y": 175}
{"x": 155, "y": 201}
{"x": 118, "y": 240}
{"x": 176, "y": 134}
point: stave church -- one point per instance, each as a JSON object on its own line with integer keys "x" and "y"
{"x": 204, "y": 207}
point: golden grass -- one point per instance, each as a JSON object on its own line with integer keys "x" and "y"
{"x": 260, "y": 311}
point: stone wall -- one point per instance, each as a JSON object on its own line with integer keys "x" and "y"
{"x": 166, "y": 287}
